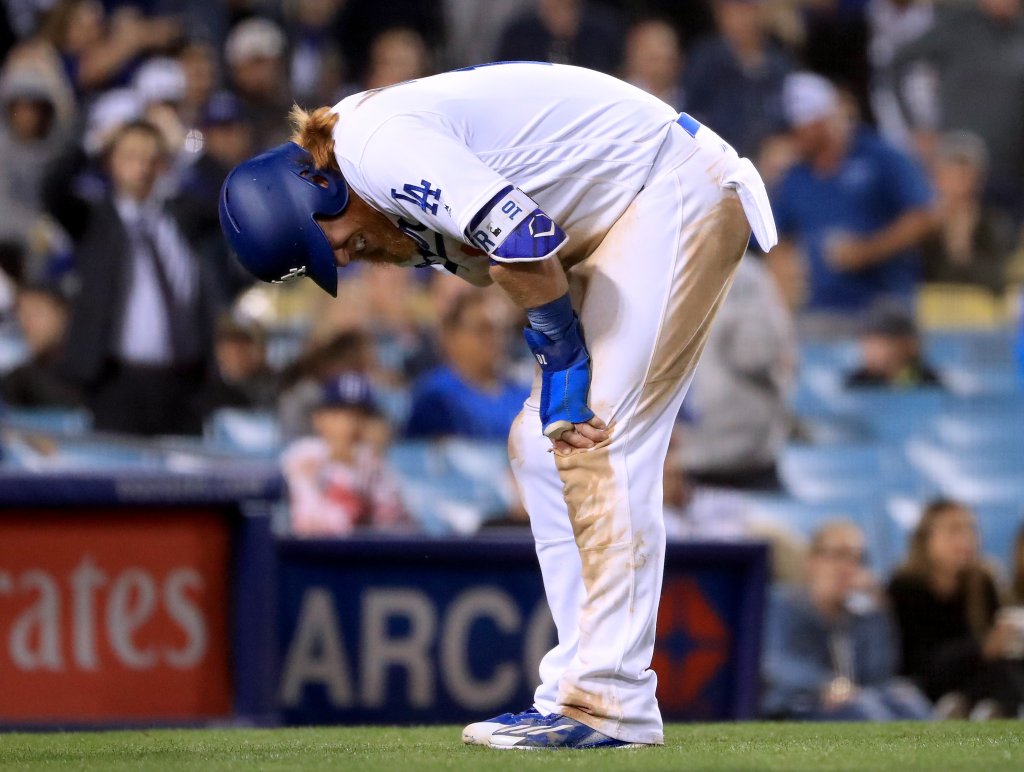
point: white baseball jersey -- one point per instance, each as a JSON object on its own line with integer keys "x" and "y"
{"x": 493, "y": 162}
{"x": 463, "y": 161}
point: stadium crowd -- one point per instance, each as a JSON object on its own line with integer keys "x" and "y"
{"x": 889, "y": 132}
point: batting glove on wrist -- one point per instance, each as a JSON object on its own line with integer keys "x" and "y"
{"x": 565, "y": 379}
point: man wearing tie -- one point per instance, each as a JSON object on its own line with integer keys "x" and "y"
{"x": 141, "y": 324}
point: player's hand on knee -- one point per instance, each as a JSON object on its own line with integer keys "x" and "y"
{"x": 580, "y": 436}
{"x": 566, "y": 418}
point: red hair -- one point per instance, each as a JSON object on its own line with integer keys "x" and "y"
{"x": 314, "y": 131}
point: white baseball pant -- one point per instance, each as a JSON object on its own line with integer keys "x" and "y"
{"x": 646, "y": 297}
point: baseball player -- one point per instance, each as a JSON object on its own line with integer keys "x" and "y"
{"x": 617, "y": 224}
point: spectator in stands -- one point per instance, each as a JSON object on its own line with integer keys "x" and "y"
{"x": 695, "y": 512}
{"x": 472, "y": 28}
{"x": 337, "y": 484}
{"x": 346, "y": 352}
{"x": 891, "y": 353}
{"x": 893, "y": 24}
{"x": 98, "y": 52}
{"x": 734, "y": 79}
{"x": 395, "y": 306}
{"x": 946, "y": 602}
{"x": 856, "y": 207}
{"x": 33, "y": 133}
{"x": 142, "y": 322}
{"x": 737, "y": 419}
{"x": 835, "y": 42}
{"x": 397, "y": 55}
{"x": 255, "y": 53}
{"x": 160, "y": 85}
{"x": 831, "y": 650}
{"x": 1017, "y": 570}
{"x": 316, "y": 63}
{"x": 975, "y": 48}
{"x": 199, "y": 63}
{"x": 469, "y": 395}
{"x": 974, "y": 240}
{"x": 75, "y": 184}
{"x": 227, "y": 141}
{"x": 654, "y": 60}
{"x": 43, "y": 317}
{"x": 564, "y": 32}
{"x": 360, "y": 22}
{"x": 243, "y": 378}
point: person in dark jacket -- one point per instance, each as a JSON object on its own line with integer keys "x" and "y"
{"x": 891, "y": 353}
{"x": 564, "y": 32}
{"x": 734, "y": 79}
{"x": 43, "y": 318}
{"x": 945, "y": 603}
{"x": 243, "y": 379}
{"x": 973, "y": 241}
{"x": 831, "y": 651}
{"x": 139, "y": 343}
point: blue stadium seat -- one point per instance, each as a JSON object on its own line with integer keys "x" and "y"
{"x": 248, "y": 432}
{"x": 804, "y": 518}
{"x": 416, "y": 459}
{"x": 63, "y": 421}
{"x": 845, "y": 471}
{"x": 981, "y": 380}
{"x": 967, "y": 348}
{"x": 892, "y": 415}
{"x": 452, "y": 485}
{"x": 13, "y": 350}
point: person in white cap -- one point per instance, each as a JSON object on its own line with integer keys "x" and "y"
{"x": 160, "y": 85}
{"x": 854, "y": 205}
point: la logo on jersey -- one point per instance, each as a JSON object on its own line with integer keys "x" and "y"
{"x": 293, "y": 274}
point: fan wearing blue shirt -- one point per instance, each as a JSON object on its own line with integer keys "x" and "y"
{"x": 855, "y": 206}
{"x": 469, "y": 395}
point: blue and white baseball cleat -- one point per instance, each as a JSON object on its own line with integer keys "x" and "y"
{"x": 554, "y": 731}
{"x": 480, "y": 732}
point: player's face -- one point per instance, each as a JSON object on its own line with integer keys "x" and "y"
{"x": 363, "y": 233}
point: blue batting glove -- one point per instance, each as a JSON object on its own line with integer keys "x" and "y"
{"x": 565, "y": 379}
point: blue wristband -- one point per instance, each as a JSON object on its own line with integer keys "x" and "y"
{"x": 553, "y": 319}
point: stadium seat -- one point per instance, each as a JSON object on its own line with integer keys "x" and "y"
{"x": 845, "y": 471}
{"x": 452, "y": 485}
{"x": 62, "y": 421}
{"x": 250, "y": 432}
{"x": 969, "y": 347}
{"x": 980, "y": 380}
{"x": 959, "y": 306}
{"x": 804, "y": 518}
{"x": 13, "y": 350}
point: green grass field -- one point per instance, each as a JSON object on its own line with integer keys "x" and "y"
{"x": 947, "y": 746}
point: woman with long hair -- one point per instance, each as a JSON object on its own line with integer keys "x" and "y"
{"x": 945, "y": 602}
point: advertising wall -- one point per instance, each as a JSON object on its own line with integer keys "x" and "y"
{"x": 114, "y": 614}
{"x": 423, "y": 632}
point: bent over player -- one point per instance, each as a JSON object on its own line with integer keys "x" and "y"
{"x": 617, "y": 225}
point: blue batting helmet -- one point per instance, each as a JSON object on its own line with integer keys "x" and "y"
{"x": 267, "y": 210}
